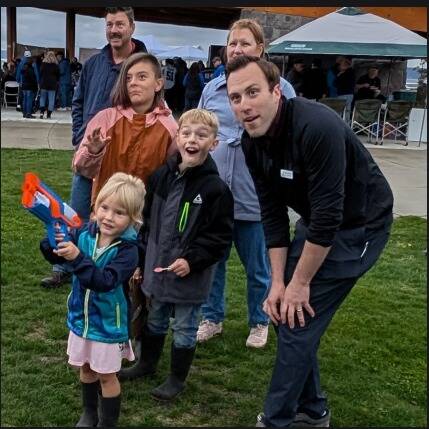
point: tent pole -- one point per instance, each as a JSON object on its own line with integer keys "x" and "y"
{"x": 283, "y": 66}
{"x": 388, "y": 78}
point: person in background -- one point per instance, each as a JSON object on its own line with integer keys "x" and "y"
{"x": 29, "y": 88}
{"x": 92, "y": 94}
{"x": 179, "y": 89}
{"x": 345, "y": 84}
{"x": 219, "y": 67}
{"x": 193, "y": 83}
{"x": 201, "y": 66}
{"x": 20, "y": 62}
{"x": 65, "y": 88}
{"x": 75, "y": 69}
{"x": 102, "y": 256}
{"x": 169, "y": 75}
{"x": 245, "y": 37}
{"x": 9, "y": 73}
{"x": 315, "y": 86}
{"x": 296, "y": 76}
{"x": 368, "y": 86}
{"x": 331, "y": 78}
{"x": 75, "y": 65}
{"x": 49, "y": 78}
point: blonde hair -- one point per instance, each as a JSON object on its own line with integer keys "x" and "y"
{"x": 130, "y": 192}
{"x": 251, "y": 25}
{"x": 50, "y": 57}
{"x": 200, "y": 116}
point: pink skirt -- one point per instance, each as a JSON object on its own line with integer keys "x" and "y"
{"x": 103, "y": 358}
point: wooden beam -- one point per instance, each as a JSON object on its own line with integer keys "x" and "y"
{"x": 70, "y": 33}
{"x": 207, "y": 17}
{"x": 11, "y": 32}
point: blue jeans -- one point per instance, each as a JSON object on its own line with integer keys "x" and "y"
{"x": 249, "y": 241}
{"x": 65, "y": 95}
{"x": 80, "y": 200}
{"x": 349, "y": 100}
{"x": 47, "y": 96}
{"x": 184, "y": 326}
{"x": 27, "y": 103}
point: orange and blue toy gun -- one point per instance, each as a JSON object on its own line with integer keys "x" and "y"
{"x": 45, "y": 204}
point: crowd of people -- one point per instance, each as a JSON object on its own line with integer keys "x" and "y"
{"x": 164, "y": 201}
{"x": 46, "y": 81}
{"x": 338, "y": 81}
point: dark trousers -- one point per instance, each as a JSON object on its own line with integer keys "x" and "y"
{"x": 295, "y": 383}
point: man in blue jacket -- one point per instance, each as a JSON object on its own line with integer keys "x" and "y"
{"x": 65, "y": 82}
{"x": 92, "y": 94}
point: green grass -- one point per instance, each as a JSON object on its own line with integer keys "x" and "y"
{"x": 372, "y": 358}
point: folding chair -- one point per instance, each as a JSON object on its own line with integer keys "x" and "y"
{"x": 336, "y": 104}
{"x": 395, "y": 119}
{"x": 366, "y": 118}
{"x": 10, "y": 93}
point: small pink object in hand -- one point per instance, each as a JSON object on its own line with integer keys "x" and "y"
{"x": 160, "y": 269}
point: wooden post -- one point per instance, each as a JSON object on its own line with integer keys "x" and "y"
{"x": 70, "y": 33}
{"x": 11, "y": 32}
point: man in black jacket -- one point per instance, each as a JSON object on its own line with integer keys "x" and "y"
{"x": 302, "y": 155}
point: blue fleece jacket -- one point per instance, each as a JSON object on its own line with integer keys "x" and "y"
{"x": 97, "y": 304}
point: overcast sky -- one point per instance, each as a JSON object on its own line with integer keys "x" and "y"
{"x": 47, "y": 28}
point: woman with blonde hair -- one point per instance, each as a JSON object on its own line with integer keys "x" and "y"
{"x": 245, "y": 37}
{"x": 49, "y": 78}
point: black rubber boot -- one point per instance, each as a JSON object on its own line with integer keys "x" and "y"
{"x": 181, "y": 360}
{"x": 109, "y": 412}
{"x": 89, "y": 417}
{"x": 49, "y": 114}
{"x": 150, "y": 351}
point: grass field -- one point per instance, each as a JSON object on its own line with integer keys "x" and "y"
{"x": 372, "y": 358}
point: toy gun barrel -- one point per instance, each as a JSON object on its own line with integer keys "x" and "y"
{"x": 48, "y": 207}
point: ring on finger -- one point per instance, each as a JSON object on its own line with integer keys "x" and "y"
{"x": 299, "y": 309}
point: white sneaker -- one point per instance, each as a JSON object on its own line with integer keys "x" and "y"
{"x": 207, "y": 330}
{"x": 258, "y": 336}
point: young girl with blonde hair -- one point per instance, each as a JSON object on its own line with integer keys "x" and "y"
{"x": 102, "y": 257}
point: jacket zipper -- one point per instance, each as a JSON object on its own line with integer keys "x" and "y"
{"x": 118, "y": 316}
{"x": 184, "y": 217}
{"x": 88, "y": 291}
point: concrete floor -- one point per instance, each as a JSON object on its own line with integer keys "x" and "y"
{"x": 404, "y": 167}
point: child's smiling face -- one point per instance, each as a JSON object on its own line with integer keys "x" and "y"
{"x": 195, "y": 140}
{"x": 112, "y": 218}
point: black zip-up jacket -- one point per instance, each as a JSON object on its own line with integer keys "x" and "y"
{"x": 29, "y": 80}
{"x": 188, "y": 216}
{"x": 311, "y": 161}
{"x": 49, "y": 76}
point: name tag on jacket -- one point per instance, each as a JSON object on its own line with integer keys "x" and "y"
{"x": 286, "y": 174}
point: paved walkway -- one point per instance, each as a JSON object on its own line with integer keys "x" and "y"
{"x": 404, "y": 167}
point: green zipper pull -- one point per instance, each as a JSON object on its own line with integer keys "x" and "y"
{"x": 184, "y": 217}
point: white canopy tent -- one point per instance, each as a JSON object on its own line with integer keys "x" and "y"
{"x": 350, "y": 31}
{"x": 153, "y": 45}
{"x": 187, "y": 53}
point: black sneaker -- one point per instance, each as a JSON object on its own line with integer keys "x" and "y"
{"x": 308, "y": 419}
{"x": 56, "y": 280}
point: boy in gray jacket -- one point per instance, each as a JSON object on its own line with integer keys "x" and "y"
{"x": 188, "y": 219}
